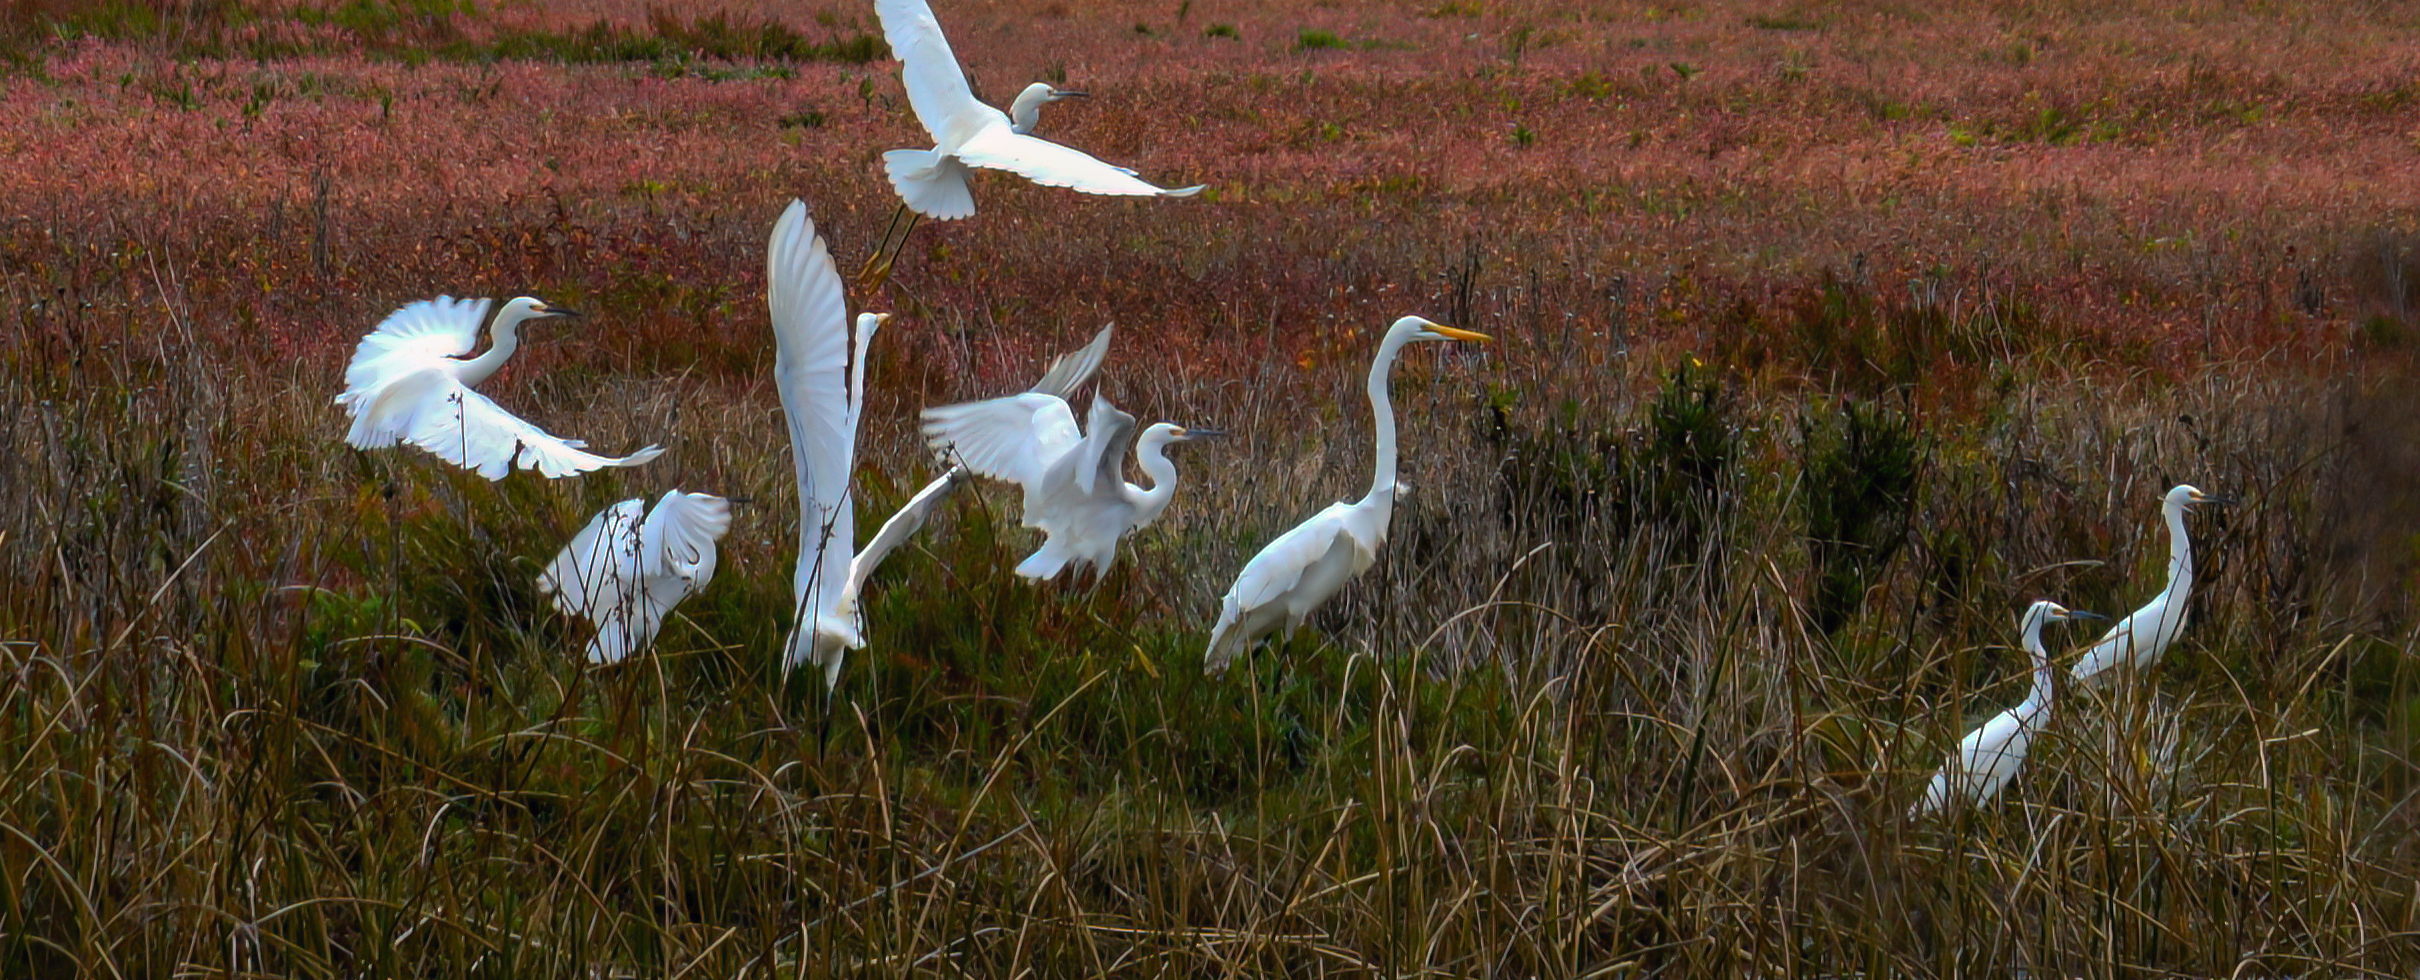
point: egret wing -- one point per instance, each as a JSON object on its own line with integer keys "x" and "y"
{"x": 1102, "y": 460}
{"x": 1053, "y": 165}
{"x": 687, "y": 525}
{"x": 413, "y": 337}
{"x": 936, "y": 86}
{"x": 468, "y": 429}
{"x": 1279, "y": 566}
{"x": 1069, "y": 371}
{"x": 599, "y": 563}
{"x": 2136, "y": 639}
{"x": 811, "y": 337}
{"x": 902, "y": 526}
{"x": 1015, "y": 438}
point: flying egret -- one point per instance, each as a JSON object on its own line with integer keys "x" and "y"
{"x": 1026, "y": 112}
{"x": 966, "y": 133}
{"x": 1989, "y": 756}
{"x": 821, "y": 378}
{"x": 2138, "y": 640}
{"x": 1075, "y": 486}
{"x": 1307, "y": 565}
{"x": 625, "y": 574}
{"x": 411, "y": 380}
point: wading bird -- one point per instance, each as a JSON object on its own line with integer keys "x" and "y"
{"x": 1311, "y": 563}
{"x": 1989, "y": 756}
{"x": 1075, "y": 486}
{"x": 2138, "y": 640}
{"x": 625, "y": 574}
{"x": 819, "y": 369}
{"x": 411, "y": 379}
{"x": 966, "y": 133}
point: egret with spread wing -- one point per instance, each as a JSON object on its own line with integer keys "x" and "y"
{"x": 966, "y": 133}
{"x": 411, "y": 380}
{"x": 625, "y": 574}
{"x": 819, "y": 368}
{"x": 1075, "y": 486}
{"x": 1308, "y": 565}
{"x": 2139, "y": 640}
{"x": 1988, "y": 757}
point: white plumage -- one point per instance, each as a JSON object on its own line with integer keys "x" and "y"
{"x": 2140, "y": 639}
{"x": 411, "y": 381}
{"x": 967, "y": 133}
{"x": 625, "y": 574}
{"x": 1988, "y": 757}
{"x": 1308, "y": 565}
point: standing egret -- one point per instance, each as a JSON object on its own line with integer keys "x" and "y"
{"x": 411, "y": 379}
{"x": 1076, "y": 492}
{"x": 966, "y": 133}
{"x": 821, "y": 378}
{"x": 1989, "y": 756}
{"x": 625, "y": 574}
{"x": 2138, "y": 640}
{"x": 1311, "y": 563}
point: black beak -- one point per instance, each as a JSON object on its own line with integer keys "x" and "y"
{"x": 560, "y": 311}
{"x": 2221, "y": 501}
{"x": 1192, "y": 434}
{"x": 2084, "y": 614}
{"x": 1064, "y": 94}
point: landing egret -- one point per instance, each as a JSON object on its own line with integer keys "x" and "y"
{"x": 411, "y": 380}
{"x": 2138, "y": 640}
{"x": 1307, "y": 565}
{"x": 625, "y": 574}
{"x": 821, "y": 378}
{"x": 1075, "y": 486}
{"x": 966, "y": 133}
{"x": 1989, "y": 756}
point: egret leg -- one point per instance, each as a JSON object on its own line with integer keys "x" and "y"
{"x": 877, "y": 270}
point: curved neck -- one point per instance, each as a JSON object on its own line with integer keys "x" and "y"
{"x": 1382, "y": 411}
{"x": 1151, "y": 454}
{"x": 2180, "y": 551}
{"x": 2042, "y": 679}
{"x": 1025, "y": 113}
{"x": 507, "y": 335}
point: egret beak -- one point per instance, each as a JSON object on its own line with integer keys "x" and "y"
{"x": 1189, "y": 435}
{"x": 551, "y": 310}
{"x": 1057, "y": 94}
{"x": 1451, "y": 333}
{"x": 2084, "y": 614}
{"x": 882, "y": 318}
{"x": 2220, "y": 501}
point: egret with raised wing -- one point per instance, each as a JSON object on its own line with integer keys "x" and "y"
{"x": 411, "y": 380}
{"x": 1308, "y": 565}
{"x": 624, "y": 574}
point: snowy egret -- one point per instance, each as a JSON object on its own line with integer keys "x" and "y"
{"x": 966, "y": 133}
{"x": 1989, "y": 756}
{"x": 411, "y": 380}
{"x": 625, "y": 574}
{"x": 1311, "y": 563}
{"x": 1076, "y": 492}
{"x": 2138, "y": 640}
{"x": 1026, "y": 112}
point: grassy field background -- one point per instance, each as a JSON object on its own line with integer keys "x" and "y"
{"x": 1830, "y": 334}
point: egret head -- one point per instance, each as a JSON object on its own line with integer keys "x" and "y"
{"x": 1172, "y": 433}
{"x": 2185, "y": 495}
{"x": 1026, "y": 112}
{"x": 531, "y": 307}
{"x": 867, "y": 323}
{"x": 2045, "y": 612}
{"x": 1418, "y": 329}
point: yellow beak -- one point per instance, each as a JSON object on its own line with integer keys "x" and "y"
{"x": 1451, "y": 333}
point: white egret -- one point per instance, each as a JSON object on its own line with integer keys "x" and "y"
{"x": 625, "y": 574}
{"x": 1989, "y": 756}
{"x": 1026, "y": 112}
{"x": 2138, "y": 640}
{"x": 821, "y": 378}
{"x": 411, "y": 380}
{"x": 1311, "y": 563}
{"x": 1076, "y": 492}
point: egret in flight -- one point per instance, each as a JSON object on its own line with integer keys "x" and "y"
{"x": 624, "y": 573}
{"x": 411, "y": 380}
{"x": 819, "y": 369}
{"x": 966, "y": 133}
{"x": 1075, "y": 485}
{"x": 2138, "y": 640}
{"x": 1989, "y": 756}
{"x": 1311, "y": 563}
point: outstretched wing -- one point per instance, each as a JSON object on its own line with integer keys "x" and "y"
{"x": 1014, "y": 438}
{"x": 597, "y": 577}
{"x": 811, "y": 335}
{"x": 470, "y": 430}
{"x": 414, "y": 337}
{"x": 1069, "y": 371}
{"x": 1053, "y": 165}
{"x": 686, "y": 526}
{"x": 936, "y": 86}
{"x": 902, "y": 526}
{"x": 1103, "y": 460}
